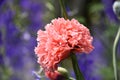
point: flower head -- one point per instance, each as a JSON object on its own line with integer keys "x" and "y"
{"x": 59, "y": 39}
{"x": 116, "y": 8}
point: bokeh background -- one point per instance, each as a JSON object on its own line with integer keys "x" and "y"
{"x": 21, "y": 19}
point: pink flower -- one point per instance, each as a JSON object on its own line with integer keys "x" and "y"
{"x": 59, "y": 39}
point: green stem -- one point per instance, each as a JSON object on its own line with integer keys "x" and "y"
{"x": 77, "y": 71}
{"x": 114, "y": 54}
{"x": 64, "y": 12}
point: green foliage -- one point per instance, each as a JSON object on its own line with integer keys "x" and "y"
{"x": 107, "y": 73}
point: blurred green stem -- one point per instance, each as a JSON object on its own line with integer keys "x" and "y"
{"x": 64, "y": 12}
{"x": 115, "y": 54}
{"x": 77, "y": 71}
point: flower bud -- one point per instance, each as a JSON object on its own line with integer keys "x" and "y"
{"x": 63, "y": 71}
{"x": 55, "y": 75}
{"x": 60, "y": 74}
{"x": 116, "y": 8}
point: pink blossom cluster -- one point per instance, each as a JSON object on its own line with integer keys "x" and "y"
{"x": 60, "y": 38}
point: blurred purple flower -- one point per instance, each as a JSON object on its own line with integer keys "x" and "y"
{"x": 0, "y": 38}
{"x": 19, "y": 45}
{"x": 6, "y": 17}
{"x": 1, "y": 60}
{"x": 109, "y": 10}
{"x": 89, "y": 63}
{"x": 25, "y": 4}
{"x": 35, "y": 13}
{"x": 1, "y": 2}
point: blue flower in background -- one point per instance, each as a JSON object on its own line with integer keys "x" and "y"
{"x": 92, "y": 63}
{"x": 18, "y": 45}
{"x": 0, "y": 38}
{"x": 34, "y": 10}
{"x": 1, "y": 2}
{"x": 109, "y": 9}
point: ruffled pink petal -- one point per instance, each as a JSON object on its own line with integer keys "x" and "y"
{"x": 59, "y": 39}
